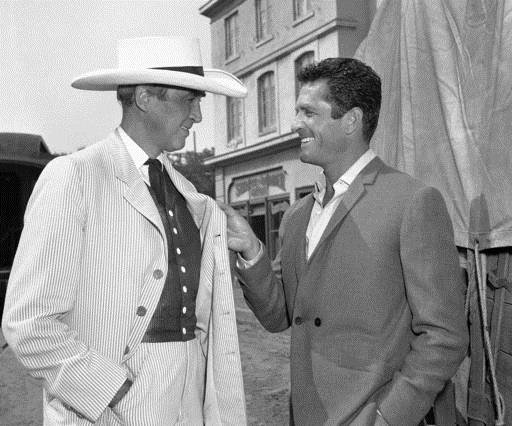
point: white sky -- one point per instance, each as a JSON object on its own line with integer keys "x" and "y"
{"x": 44, "y": 44}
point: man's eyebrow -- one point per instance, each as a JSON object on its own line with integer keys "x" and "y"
{"x": 304, "y": 106}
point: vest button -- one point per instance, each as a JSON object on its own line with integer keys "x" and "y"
{"x": 318, "y": 322}
{"x": 157, "y": 274}
{"x": 298, "y": 320}
{"x": 141, "y": 311}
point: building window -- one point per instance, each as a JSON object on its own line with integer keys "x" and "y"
{"x": 276, "y": 209}
{"x": 303, "y": 191}
{"x": 262, "y": 19}
{"x": 264, "y": 216}
{"x": 266, "y": 103}
{"x": 231, "y": 33}
{"x": 301, "y": 8}
{"x": 234, "y": 115}
{"x": 302, "y": 61}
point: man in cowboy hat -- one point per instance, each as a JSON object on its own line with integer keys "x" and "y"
{"x": 120, "y": 295}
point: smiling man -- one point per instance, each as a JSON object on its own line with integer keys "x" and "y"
{"x": 120, "y": 295}
{"x": 367, "y": 276}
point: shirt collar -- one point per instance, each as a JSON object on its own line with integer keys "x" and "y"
{"x": 346, "y": 178}
{"x": 137, "y": 154}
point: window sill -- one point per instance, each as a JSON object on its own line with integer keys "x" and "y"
{"x": 231, "y": 59}
{"x": 234, "y": 143}
{"x": 264, "y": 41}
{"x": 301, "y": 19}
{"x": 266, "y": 132}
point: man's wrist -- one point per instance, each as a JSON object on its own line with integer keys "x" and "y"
{"x": 123, "y": 390}
{"x": 244, "y": 262}
{"x": 253, "y": 252}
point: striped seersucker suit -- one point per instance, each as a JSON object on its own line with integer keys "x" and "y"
{"x": 88, "y": 257}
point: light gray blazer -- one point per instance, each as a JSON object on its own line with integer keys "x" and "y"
{"x": 87, "y": 257}
{"x": 377, "y": 311}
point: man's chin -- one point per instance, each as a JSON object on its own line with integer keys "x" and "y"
{"x": 177, "y": 144}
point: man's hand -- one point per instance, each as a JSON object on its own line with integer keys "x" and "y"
{"x": 241, "y": 237}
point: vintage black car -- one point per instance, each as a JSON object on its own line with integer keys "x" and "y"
{"x": 22, "y": 158}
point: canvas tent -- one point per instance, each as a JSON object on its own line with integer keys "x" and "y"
{"x": 446, "y": 118}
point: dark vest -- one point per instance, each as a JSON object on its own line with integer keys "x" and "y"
{"x": 175, "y": 318}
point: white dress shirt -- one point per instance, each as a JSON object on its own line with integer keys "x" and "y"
{"x": 320, "y": 215}
{"x": 137, "y": 154}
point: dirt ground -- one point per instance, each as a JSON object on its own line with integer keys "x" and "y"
{"x": 264, "y": 362}
{"x": 265, "y": 365}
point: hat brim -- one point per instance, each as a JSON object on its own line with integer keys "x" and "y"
{"x": 214, "y": 80}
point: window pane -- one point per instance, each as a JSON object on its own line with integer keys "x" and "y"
{"x": 266, "y": 102}
{"x": 231, "y": 35}
{"x": 262, "y": 19}
{"x": 301, "y": 8}
{"x": 301, "y": 62}
{"x": 234, "y": 119}
{"x": 275, "y": 214}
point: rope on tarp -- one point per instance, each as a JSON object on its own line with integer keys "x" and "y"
{"x": 481, "y": 278}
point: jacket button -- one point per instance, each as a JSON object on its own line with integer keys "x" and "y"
{"x": 298, "y": 320}
{"x": 318, "y": 322}
{"x": 141, "y": 311}
{"x": 157, "y": 274}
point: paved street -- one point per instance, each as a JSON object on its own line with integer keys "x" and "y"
{"x": 264, "y": 361}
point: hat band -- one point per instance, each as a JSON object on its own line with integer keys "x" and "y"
{"x": 190, "y": 70}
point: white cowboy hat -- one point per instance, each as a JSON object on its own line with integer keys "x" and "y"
{"x": 172, "y": 61}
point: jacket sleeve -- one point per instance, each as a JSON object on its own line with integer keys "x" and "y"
{"x": 435, "y": 293}
{"x": 45, "y": 273}
{"x": 263, "y": 286}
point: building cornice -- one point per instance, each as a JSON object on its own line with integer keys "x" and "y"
{"x": 251, "y": 152}
{"x": 212, "y": 8}
{"x": 328, "y": 27}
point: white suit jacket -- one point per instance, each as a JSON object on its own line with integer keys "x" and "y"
{"x": 90, "y": 253}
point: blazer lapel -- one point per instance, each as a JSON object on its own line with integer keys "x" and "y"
{"x": 301, "y": 225}
{"x": 135, "y": 190}
{"x": 350, "y": 198}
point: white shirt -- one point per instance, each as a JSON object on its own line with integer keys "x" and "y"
{"x": 320, "y": 216}
{"x": 137, "y": 154}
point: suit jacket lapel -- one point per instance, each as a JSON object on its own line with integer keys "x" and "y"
{"x": 300, "y": 236}
{"x": 350, "y": 198}
{"x": 135, "y": 189}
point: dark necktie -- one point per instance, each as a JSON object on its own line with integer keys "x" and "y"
{"x": 157, "y": 179}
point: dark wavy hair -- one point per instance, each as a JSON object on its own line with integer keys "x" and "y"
{"x": 351, "y": 84}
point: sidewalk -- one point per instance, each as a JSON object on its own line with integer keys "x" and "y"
{"x": 264, "y": 363}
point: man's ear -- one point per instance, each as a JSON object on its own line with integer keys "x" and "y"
{"x": 142, "y": 98}
{"x": 352, "y": 120}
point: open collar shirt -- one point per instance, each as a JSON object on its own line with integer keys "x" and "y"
{"x": 321, "y": 215}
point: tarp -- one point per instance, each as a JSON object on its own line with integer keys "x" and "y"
{"x": 446, "y": 116}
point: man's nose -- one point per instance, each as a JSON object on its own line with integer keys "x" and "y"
{"x": 297, "y": 125}
{"x": 195, "y": 114}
